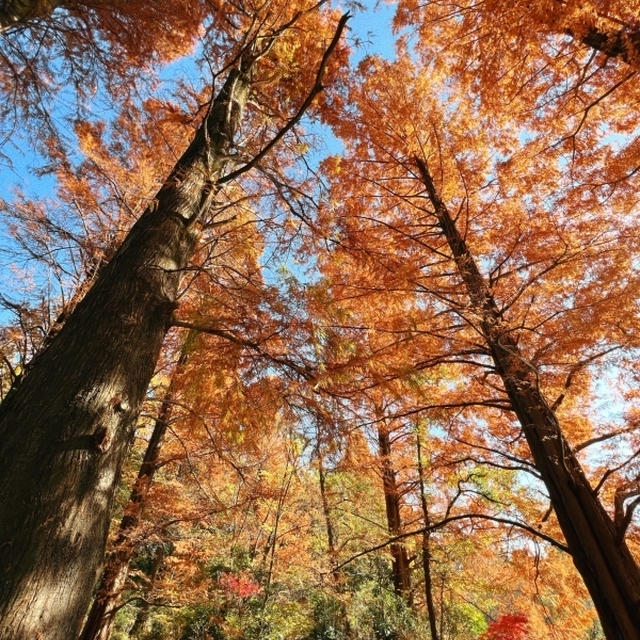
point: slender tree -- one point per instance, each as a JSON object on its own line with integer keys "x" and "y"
{"x": 383, "y": 224}
{"x": 157, "y": 559}
{"x": 426, "y": 543}
{"x": 594, "y": 539}
{"x": 392, "y": 501}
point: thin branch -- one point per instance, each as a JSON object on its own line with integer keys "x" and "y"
{"x": 446, "y": 521}
{"x": 315, "y": 90}
{"x": 572, "y": 372}
{"x": 304, "y": 372}
{"x": 606, "y": 436}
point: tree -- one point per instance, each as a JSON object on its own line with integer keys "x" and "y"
{"x": 467, "y": 263}
{"x": 417, "y": 243}
{"x": 426, "y": 542}
{"x": 99, "y": 431}
{"x": 99, "y": 620}
{"x": 78, "y": 432}
{"x": 392, "y": 500}
{"x": 595, "y": 541}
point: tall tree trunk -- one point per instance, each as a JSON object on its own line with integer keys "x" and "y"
{"x": 426, "y": 546}
{"x": 331, "y": 545}
{"x": 400, "y": 559}
{"x": 595, "y": 542}
{"x": 272, "y": 540}
{"x": 66, "y": 428}
{"x": 99, "y": 622}
{"x": 14, "y": 12}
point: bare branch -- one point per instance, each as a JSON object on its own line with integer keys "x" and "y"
{"x": 446, "y": 521}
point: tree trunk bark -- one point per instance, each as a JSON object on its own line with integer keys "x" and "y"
{"x": 400, "y": 559}
{"x": 99, "y": 622}
{"x": 426, "y": 546}
{"x": 331, "y": 545}
{"x": 67, "y": 426}
{"x": 15, "y": 12}
{"x": 598, "y": 550}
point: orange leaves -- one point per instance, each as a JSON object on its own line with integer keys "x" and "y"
{"x": 161, "y": 31}
{"x": 530, "y": 140}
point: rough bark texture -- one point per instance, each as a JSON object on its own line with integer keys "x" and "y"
{"x": 66, "y": 427}
{"x": 400, "y": 559}
{"x": 99, "y": 622}
{"x": 14, "y": 12}
{"x": 599, "y": 552}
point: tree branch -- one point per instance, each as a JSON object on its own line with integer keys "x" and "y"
{"x": 446, "y": 521}
{"x": 315, "y": 90}
{"x": 304, "y": 372}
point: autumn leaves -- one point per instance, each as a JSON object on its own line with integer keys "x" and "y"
{"x": 413, "y": 126}
{"x": 468, "y": 262}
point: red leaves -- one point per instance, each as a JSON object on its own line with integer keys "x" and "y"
{"x": 239, "y": 585}
{"x": 508, "y": 627}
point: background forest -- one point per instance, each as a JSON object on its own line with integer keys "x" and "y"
{"x": 319, "y": 322}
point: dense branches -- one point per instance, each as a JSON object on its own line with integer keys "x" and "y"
{"x": 407, "y": 399}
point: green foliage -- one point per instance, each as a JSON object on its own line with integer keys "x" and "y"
{"x": 465, "y": 621}
{"x": 123, "y": 621}
{"x": 200, "y": 623}
{"x": 330, "y": 621}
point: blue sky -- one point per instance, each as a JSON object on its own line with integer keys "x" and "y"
{"x": 369, "y": 33}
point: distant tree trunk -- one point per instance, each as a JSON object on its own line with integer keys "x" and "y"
{"x": 331, "y": 546}
{"x": 137, "y": 630}
{"x": 426, "y": 546}
{"x": 13, "y": 12}
{"x": 326, "y": 511}
{"x": 67, "y": 426}
{"x": 595, "y": 542}
{"x": 99, "y": 622}
{"x": 400, "y": 559}
{"x": 272, "y": 540}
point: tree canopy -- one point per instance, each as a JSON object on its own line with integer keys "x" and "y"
{"x": 303, "y": 340}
